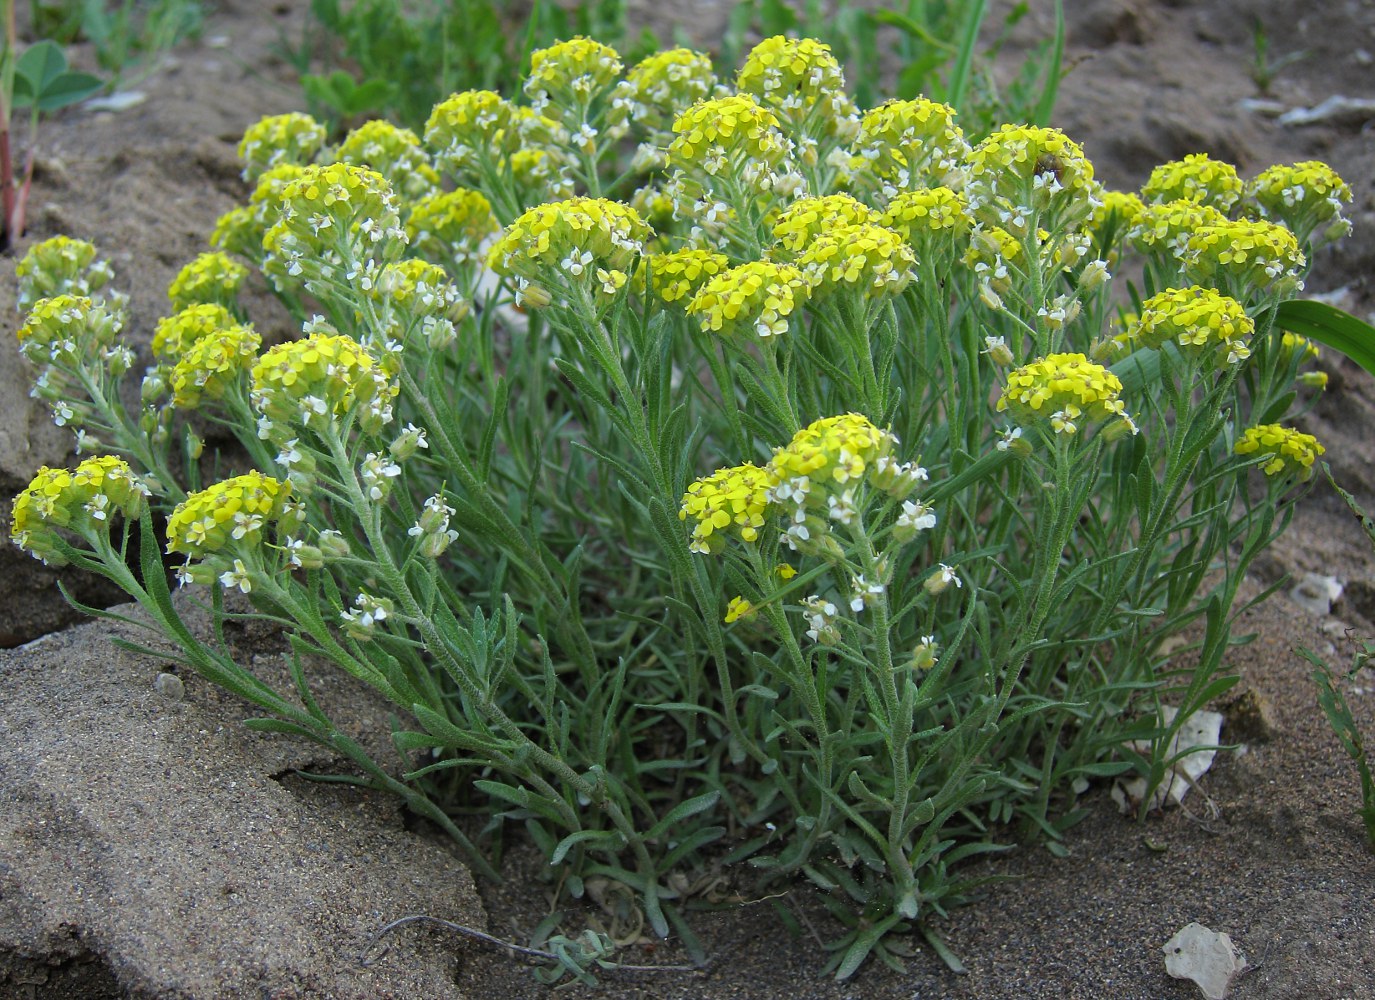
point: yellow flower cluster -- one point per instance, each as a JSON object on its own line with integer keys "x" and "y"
{"x": 450, "y": 224}
{"x": 738, "y": 608}
{"x": 1116, "y": 214}
{"x": 296, "y": 382}
{"x": 1288, "y": 451}
{"x": 871, "y": 259}
{"x": 67, "y": 329}
{"x": 394, "y": 153}
{"x": 807, "y": 218}
{"x": 60, "y": 266}
{"x": 240, "y": 230}
{"x": 331, "y": 211}
{"x": 212, "y": 364}
{"x": 912, "y": 144}
{"x": 1028, "y": 167}
{"x": 1197, "y": 178}
{"x": 175, "y": 335}
{"x": 417, "y": 286}
{"x": 1243, "y": 255}
{"x": 919, "y": 213}
{"x": 468, "y": 122}
{"x": 678, "y": 275}
{"x": 62, "y": 498}
{"x": 1199, "y": 320}
{"x": 1060, "y": 388}
{"x": 1163, "y": 228}
{"x": 210, "y": 278}
{"x": 1304, "y": 197}
{"x": 228, "y": 514}
{"x": 579, "y": 68}
{"x": 660, "y": 87}
{"x": 582, "y": 238}
{"x": 795, "y": 76}
{"x": 277, "y": 139}
{"x": 759, "y": 295}
{"x": 736, "y": 126}
{"x": 990, "y": 252}
{"x": 832, "y": 451}
{"x": 734, "y": 499}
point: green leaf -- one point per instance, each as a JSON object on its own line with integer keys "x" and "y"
{"x": 40, "y": 65}
{"x": 682, "y": 811}
{"x": 1330, "y": 326}
{"x": 69, "y": 88}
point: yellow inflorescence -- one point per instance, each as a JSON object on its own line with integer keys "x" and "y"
{"x": 393, "y": 152}
{"x": 1198, "y": 178}
{"x": 1162, "y": 228}
{"x": 795, "y": 75}
{"x": 69, "y": 328}
{"x": 661, "y": 86}
{"x": 832, "y": 450}
{"x": 579, "y": 68}
{"x": 736, "y": 125}
{"x": 210, "y": 278}
{"x": 59, "y": 266}
{"x": 678, "y": 275}
{"x": 450, "y": 223}
{"x": 1252, "y": 254}
{"x": 912, "y": 143}
{"x": 1199, "y": 320}
{"x": 807, "y": 218}
{"x": 419, "y": 287}
{"x": 59, "y": 498}
{"x": 212, "y": 363}
{"x": 1060, "y": 388}
{"x": 759, "y": 295}
{"x": 874, "y": 260}
{"x": 240, "y": 230}
{"x": 1289, "y": 451}
{"x": 174, "y": 335}
{"x": 1025, "y": 166}
{"x": 231, "y": 512}
{"x": 277, "y": 139}
{"x": 295, "y": 382}
{"x": 1121, "y": 208}
{"x": 465, "y": 123}
{"x": 918, "y": 213}
{"x": 729, "y": 500}
{"x": 1305, "y": 197}
{"x": 575, "y": 237}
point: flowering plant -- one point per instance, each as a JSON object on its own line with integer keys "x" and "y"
{"x": 790, "y": 490}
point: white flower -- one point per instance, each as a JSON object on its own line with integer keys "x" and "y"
{"x": 237, "y": 577}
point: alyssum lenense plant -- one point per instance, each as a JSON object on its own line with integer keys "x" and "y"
{"x": 959, "y": 501}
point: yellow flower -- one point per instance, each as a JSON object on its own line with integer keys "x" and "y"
{"x": 573, "y": 238}
{"x": 1244, "y": 255}
{"x": 739, "y": 608}
{"x": 321, "y": 376}
{"x": 60, "y": 266}
{"x": 450, "y": 224}
{"x": 734, "y": 499}
{"x": 291, "y": 138}
{"x": 1197, "y": 178}
{"x": 417, "y": 287}
{"x": 871, "y": 259}
{"x": 174, "y": 335}
{"x": 228, "y": 514}
{"x": 1287, "y": 450}
{"x": 759, "y": 295}
{"x": 913, "y": 144}
{"x": 577, "y": 69}
{"x": 1199, "y": 320}
{"x": 1305, "y": 197}
{"x": 210, "y": 278}
{"x": 660, "y": 87}
{"x": 212, "y": 363}
{"x": 1116, "y": 214}
{"x": 832, "y": 451}
{"x": 1023, "y": 167}
{"x": 464, "y": 124}
{"x": 393, "y": 152}
{"x": 918, "y": 213}
{"x": 735, "y": 127}
{"x": 1163, "y": 228}
{"x": 1059, "y": 389}
{"x": 807, "y": 218}
{"x": 795, "y": 76}
{"x": 69, "y": 329}
{"x": 678, "y": 275}
{"x": 85, "y": 498}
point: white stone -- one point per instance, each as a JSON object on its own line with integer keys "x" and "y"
{"x": 1205, "y": 956}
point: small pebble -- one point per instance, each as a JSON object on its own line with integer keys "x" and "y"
{"x": 169, "y": 686}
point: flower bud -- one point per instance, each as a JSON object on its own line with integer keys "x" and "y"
{"x": 333, "y": 545}
{"x": 939, "y": 581}
{"x": 411, "y": 440}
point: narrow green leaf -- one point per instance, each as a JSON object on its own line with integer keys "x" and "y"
{"x": 1330, "y": 326}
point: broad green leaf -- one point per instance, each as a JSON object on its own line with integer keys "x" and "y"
{"x": 1330, "y": 326}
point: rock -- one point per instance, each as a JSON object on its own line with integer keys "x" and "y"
{"x": 1316, "y": 593}
{"x": 151, "y": 847}
{"x": 1202, "y": 729}
{"x": 1205, "y": 956}
{"x": 1250, "y": 717}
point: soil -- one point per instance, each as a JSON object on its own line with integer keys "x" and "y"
{"x": 1270, "y": 850}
